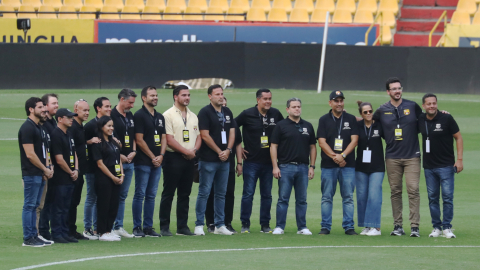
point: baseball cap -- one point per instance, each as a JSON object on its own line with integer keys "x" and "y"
{"x": 333, "y": 95}
{"x": 65, "y": 112}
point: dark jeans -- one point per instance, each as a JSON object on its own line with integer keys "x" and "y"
{"x": 229, "y": 201}
{"x": 76, "y": 197}
{"x": 60, "y": 207}
{"x": 32, "y": 193}
{"x": 108, "y": 198}
{"x": 46, "y": 213}
{"x": 440, "y": 180}
{"x": 177, "y": 175}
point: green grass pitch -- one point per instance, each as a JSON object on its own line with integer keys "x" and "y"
{"x": 255, "y": 250}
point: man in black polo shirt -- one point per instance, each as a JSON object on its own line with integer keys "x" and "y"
{"x": 337, "y": 136}
{"x": 217, "y": 130}
{"x": 32, "y": 157}
{"x": 150, "y": 137}
{"x": 102, "y": 107}
{"x": 124, "y": 130}
{"x": 293, "y": 142}
{"x": 64, "y": 159}
{"x": 438, "y": 131}
{"x": 257, "y": 125}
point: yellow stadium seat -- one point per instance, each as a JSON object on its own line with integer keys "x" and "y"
{"x": 173, "y": 17}
{"x": 202, "y": 4}
{"x": 459, "y": 17}
{"x": 325, "y": 5}
{"x": 370, "y": 5}
{"x": 49, "y": 15}
{"x": 110, "y": 16}
{"x": 342, "y": 16}
{"x": 193, "y": 17}
{"x": 363, "y": 16}
{"x": 160, "y": 4}
{"x": 177, "y": 3}
{"x": 233, "y": 10}
{"x": 277, "y": 15}
{"x": 388, "y": 19}
{"x": 214, "y": 17}
{"x": 36, "y": 4}
{"x": 56, "y": 4}
{"x": 130, "y": 9}
{"x": 387, "y": 36}
{"x": 8, "y": 8}
{"x": 87, "y": 15}
{"x": 114, "y": 3}
{"x": 242, "y": 4}
{"x": 26, "y": 15}
{"x": 256, "y": 14}
{"x": 263, "y": 4}
{"x": 388, "y": 5}
{"x": 285, "y": 4}
{"x": 476, "y": 18}
{"x": 67, "y": 9}
{"x": 304, "y": 4}
{"x": 12, "y": 3}
{"x": 468, "y": 6}
{"x": 135, "y": 3}
{"x": 151, "y": 9}
{"x": 299, "y": 15}
{"x": 97, "y": 4}
{"x": 319, "y": 15}
{"x": 348, "y": 5}
{"x": 77, "y": 4}
{"x": 222, "y": 4}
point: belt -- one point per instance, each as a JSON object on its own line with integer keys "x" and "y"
{"x": 294, "y": 163}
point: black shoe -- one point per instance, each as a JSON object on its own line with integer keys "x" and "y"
{"x": 79, "y": 236}
{"x": 324, "y": 231}
{"x": 415, "y": 232}
{"x": 46, "y": 243}
{"x": 165, "y": 232}
{"x": 33, "y": 242}
{"x": 398, "y": 231}
{"x": 70, "y": 239}
{"x": 60, "y": 240}
{"x": 266, "y": 229}
{"x": 184, "y": 231}
{"x": 230, "y": 228}
{"x": 137, "y": 232}
{"x": 211, "y": 228}
{"x": 150, "y": 232}
{"x": 351, "y": 232}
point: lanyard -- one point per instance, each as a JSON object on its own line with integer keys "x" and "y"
{"x": 153, "y": 117}
{"x": 426, "y": 128}
{"x": 340, "y": 127}
{"x": 223, "y": 118}
{"x": 184, "y": 119}
{"x": 397, "y": 115}
{"x": 125, "y": 122}
{"x": 369, "y": 132}
{"x": 264, "y": 122}
{"x": 114, "y": 150}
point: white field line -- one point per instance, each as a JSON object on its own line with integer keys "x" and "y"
{"x": 6, "y": 118}
{"x": 8, "y": 139}
{"x": 223, "y": 250}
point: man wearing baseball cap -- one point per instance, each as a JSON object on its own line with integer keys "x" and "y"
{"x": 337, "y": 136}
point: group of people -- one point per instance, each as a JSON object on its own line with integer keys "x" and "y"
{"x": 59, "y": 151}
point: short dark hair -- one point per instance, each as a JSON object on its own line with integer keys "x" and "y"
{"x": 31, "y": 103}
{"x": 215, "y": 86}
{"x": 99, "y": 103}
{"x": 361, "y": 104}
{"x": 126, "y": 93}
{"x": 46, "y": 97}
{"x": 177, "y": 90}
{"x": 145, "y": 90}
{"x": 392, "y": 80}
{"x": 427, "y": 96}
{"x": 261, "y": 91}
{"x": 293, "y": 99}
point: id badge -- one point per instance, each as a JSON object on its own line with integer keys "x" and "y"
{"x": 398, "y": 134}
{"x": 72, "y": 162}
{"x": 157, "y": 140}
{"x": 224, "y": 137}
{"x": 43, "y": 148}
{"x": 186, "y": 136}
{"x": 427, "y": 146}
{"x": 127, "y": 141}
{"x": 367, "y": 156}
{"x": 117, "y": 170}
{"x": 86, "y": 151}
{"x": 48, "y": 155}
{"x": 264, "y": 141}
{"x": 338, "y": 145}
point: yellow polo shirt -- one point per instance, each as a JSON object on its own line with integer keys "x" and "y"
{"x": 175, "y": 125}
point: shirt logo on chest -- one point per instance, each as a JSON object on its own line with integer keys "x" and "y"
{"x": 73, "y": 143}
{"x": 438, "y": 127}
{"x": 160, "y": 123}
{"x": 305, "y": 131}
{"x": 346, "y": 125}
{"x": 406, "y": 111}
{"x": 227, "y": 118}
{"x": 272, "y": 122}
{"x": 131, "y": 123}
{"x": 375, "y": 133}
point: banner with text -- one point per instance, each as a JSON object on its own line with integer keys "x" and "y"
{"x": 462, "y": 36}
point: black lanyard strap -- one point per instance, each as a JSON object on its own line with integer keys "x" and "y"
{"x": 369, "y": 132}
{"x": 114, "y": 150}
{"x": 397, "y": 115}
{"x": 340, "y": 127}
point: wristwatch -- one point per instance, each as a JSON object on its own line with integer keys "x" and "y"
{"x": 312, "y": 166}
{"x": 343, "y": 155}
{"x": 230, "y": 149}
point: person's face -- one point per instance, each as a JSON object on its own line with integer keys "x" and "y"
{"x": 216, "y": 97}
{"x": 367, "y": 112}
{"x": 127, "y": 104}
{"x": 52, "y": 105}
{"x": 108, "y": 128}
{"x": 83, "y": 110}
{"x": 395, "y": 91}
{"x": 265, "y": 101}
{"x": 295, "y": 109}
{"x": 152, "y": 98}
{"x": 430, "y": 105}
{"x": 106, "y": 108}
{"x": 38, "y": 110}
{"x": 337, "y": 104}
{"x": 66, "y": 120}
{"x": 224, "y": 102}
{"x": 183, "y": 97}
{"x": 44, "y": 117}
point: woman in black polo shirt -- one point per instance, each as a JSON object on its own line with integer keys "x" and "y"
{"x": 108, "y": 178}
{"x": 369, "y": 171}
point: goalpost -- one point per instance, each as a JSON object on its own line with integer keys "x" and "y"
{"x": 322, "y": 58}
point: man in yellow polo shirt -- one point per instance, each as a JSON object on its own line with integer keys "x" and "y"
{"x": 183, "y": 140}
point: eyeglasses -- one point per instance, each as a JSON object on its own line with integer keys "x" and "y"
{"x": 396, "y": 89}
{"x": 367, "y": 112}
{"x": 300, "y": 129}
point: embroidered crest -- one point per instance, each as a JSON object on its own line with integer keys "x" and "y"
{"x": 305, "y": 131}
{"x": 406, "y": 111}
{"x": 160, "y": 123}
{"x": 227, "y": 117}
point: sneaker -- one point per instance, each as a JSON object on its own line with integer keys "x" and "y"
{"x": 266, "y": 229}
{"x": 121, "y": 232}
{"x": 90, "y": 235}
{"x": 45, "y": 240}
{"x": 107, "y": 238}
{"x": 230, "y": 228}
{"x": 150, "y": 232}
{"x": 199, "y": 230}
{"x": 365, "y": 231}
{"x": 398, "y": 231}
{"x": 32, "y": 242}
{"x": 46, "y": 243}
{"x": 79, "y": 236}
{"x": 436, "y": 232}
{"x": 184, "y": 231}
{"x": 415, "y": 232}
{"x": 61, "y": 240}
{"x": 165, "y": 232}
{"x": 211, "y": 228}
{"x": 70, "y": 239}
{"x": 324, "y": 231}
{"x": 112, "y": 234}
{"x": 137, "y": 232}
{"x": 374, "y": 232}
{"x": 448, "y": 233}
{"x": 305, "y": 232}
{"x": 351, "y": 232}
{"x": 47, "y": 237}
{"x": 223, "y": 231}
{"x": 277, "y": 231}
{"x": 245, "y": 229}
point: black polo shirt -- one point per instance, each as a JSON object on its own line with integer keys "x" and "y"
{"x": 109, "y": 153}
{"x": 50, "y": 125}
{"x": 46, "y": 139}
{"x": 238, "y": 140}
{"x": 440, "y": 133}
{"x": 254, "y": 126}
{"x": 405, "y": 117}
{"x": 209, "y": 120}
{"x": 30, "y": 133}
{"x": 293, "y": 145}
{"x": 123, "y": 128}
{"x": 65, "y": 146}
{"x": 371, "y": 137}
{"x": 328, "y": 127}
{"x": 77, "y": 132}
{"x": 90, "y": 132}
{"x": 150, "y": 126}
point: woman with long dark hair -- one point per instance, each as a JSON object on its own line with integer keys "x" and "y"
{"x": 108, "y": 178}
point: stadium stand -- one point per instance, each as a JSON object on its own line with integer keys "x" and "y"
{"x": 348, "y": 5}
{"x": 110, "y": 16}
{"x": 136, "y": 3}
{"x": 467, "y": 6}
{"x": 342, "y": 16}
{"x": 278, "y": 15}
{"x": 151, "y": 9}
{"x": 476, "y": 19}
{"x": 177, "y": 4}
{"x": 12, "y": 3}
{"x": 114, "y": 3}
{"x": 97, "y": 4}
{"x": 460, "y": 17}
{"x": 76, "y": 4}
{"x": 87, "y": 9}
{"x": 256, "y": 14}
{"x": 299, "y": 15}
{"x": 283, "y": 4}
{"x": 160, "y": 4}
{"x": 368, "y": 5}
{"x": 363, "y": 16}
{"x": 48, "y": 15}
{"x": 263, "y": 4}
{"x": 222, "y": 4}
{"x": 326, "y": 5}
{"x": 240, "y": 4}
{"x": 173, "y": 10}
{"x": 8, "y": 8}
{"x": 214, "y": 17}
{"x": 130, "y": 9}
{"x": 193, "y": 17}
{"x": 319, "y": 15}
{"x": 27, "y": 15}
{"x": 304, "y": 4}
{"x": 36, "y": 4}
{"x": 67, "y": 9}
{"x": 201, "y": 4}
{"x": 233, "y": 10}
{"x": 56, "y": 4}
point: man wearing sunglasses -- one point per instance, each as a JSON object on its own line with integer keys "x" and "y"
{"x": 257, "y": 125}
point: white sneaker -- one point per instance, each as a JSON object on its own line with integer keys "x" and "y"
{"x": 448, "y": 233}
{"x": 305, "y": 232}
{"x": 121, "y": 232}
{"x": 279, "y": 231}
{"x": 365, "y": 230}
{"x": 199, "y": 230}
{"x": 435, "y": 233}
{"x": 90, "y": 235}
{"x": 107, "y": 237}
{"x": 222, "y": 230}
{"x": 45, "y": 240}
{"x": 374, "y": 232}
{"x": 113, "y": 234}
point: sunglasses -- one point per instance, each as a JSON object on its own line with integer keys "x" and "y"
{"x": 367, "y": 112}
{"x": 300, "y": 129}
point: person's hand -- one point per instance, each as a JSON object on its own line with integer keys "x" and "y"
{"x": 338, "y": 158}
{"x": 239, "y": 169}
{"x": 342, "y": 164}
{"x": 74, "y": 175}
{"x": 23, "y": 184}
{"x": 118, "y": 141}
{"x": 95, "y": 140}
{"x": 223, "y": 155}
{"x": 48, "y": 173}
{"x": 189, "y": 155}
{"x": 117, "y": 180}
{"x": 44, "y": 178}
{"x": 276, "y": 173}
{"x": 244, "y": 152}
{"x": 157, "y": 161}
{"x": 445, "y": 112}
{"x": 131, "y": 156}
{"x": 311, "y": 173}
{"x": 124, "y": 159}
{"x": 459, "y": 165}
{"x": 121, "y": 179}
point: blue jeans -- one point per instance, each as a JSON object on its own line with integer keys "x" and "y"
{"x": 127, "y": 180}
{"x": 444, "y": 178}
{"x": 61, "y": 206}
{"x": 90, "y": 208}
{"x": 251, "y": 172}
{"x": 32, "y": 193}
{"x": 346, "y": 179}
{"x": 146, "y": 186}
{"x": 295, "y": 176}
{"x": 369, "y": 198}
{"x": 216, "y": 174}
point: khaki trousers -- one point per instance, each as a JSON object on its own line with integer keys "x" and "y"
{"x": 395, "y": 170}
{"x": 42, "y": 202}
